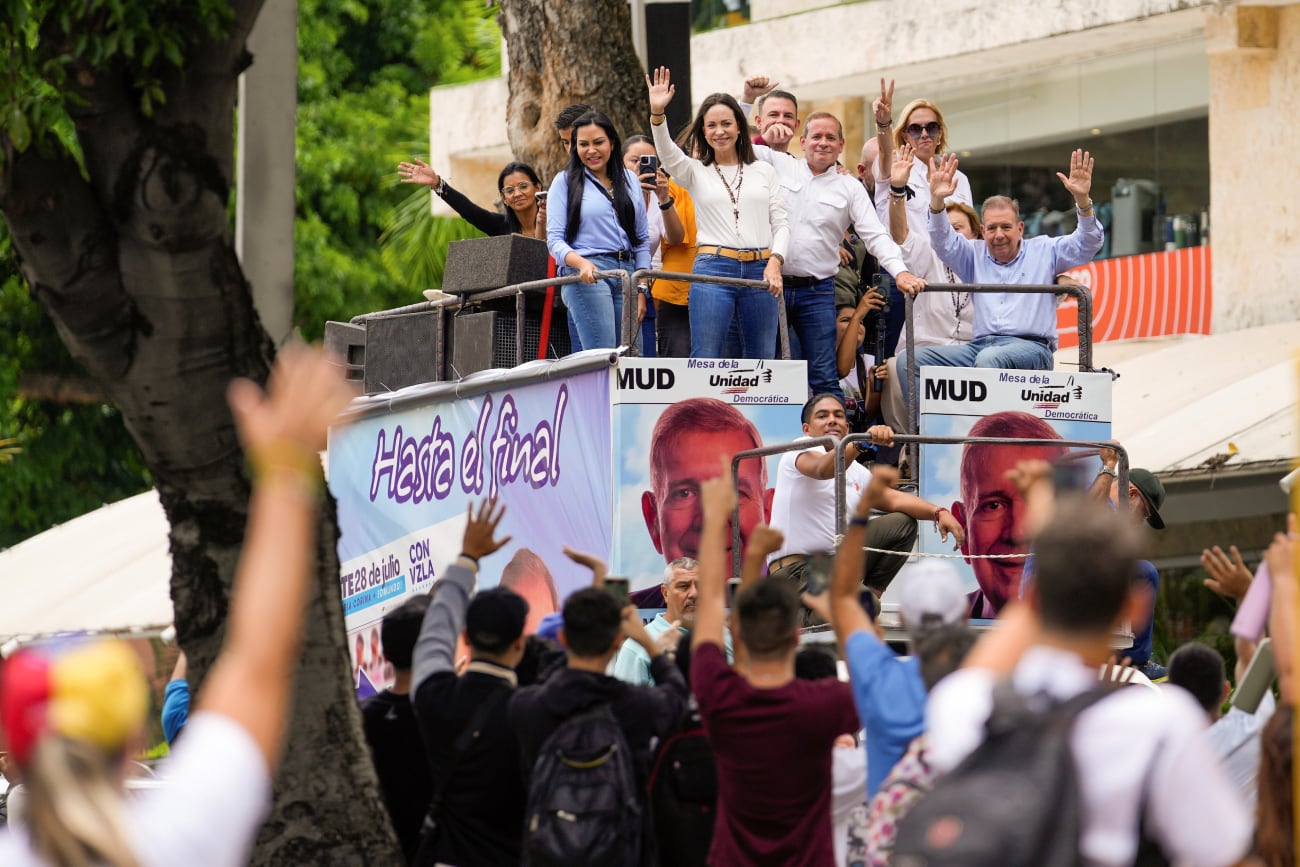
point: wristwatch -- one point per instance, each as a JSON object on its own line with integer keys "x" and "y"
{"x": 1108, "y": 471}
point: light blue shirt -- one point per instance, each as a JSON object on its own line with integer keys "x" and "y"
{"x": 890, "y": 696}
{"x": 632, "y": 663}
{"x": 599, "y": 230}
{"x": 1039, "y": 262}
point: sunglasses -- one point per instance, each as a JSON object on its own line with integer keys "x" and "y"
{"x": 932, "y": 129}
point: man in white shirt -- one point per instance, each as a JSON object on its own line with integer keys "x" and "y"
{"x": 1143, "y": 763}
{"x": 820, "y": 203}
{"x": 1234, "y": 736}
{"x": 803, "y": 505}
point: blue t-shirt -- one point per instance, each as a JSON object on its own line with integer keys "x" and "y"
{"x": 175, "y": 708}
{"x": 890, "y": 696}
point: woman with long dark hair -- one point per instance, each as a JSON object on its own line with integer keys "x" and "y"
{"x": 518, "y": 185}
{"x": 596, "y": 222}
{"x": 740, "y": 222}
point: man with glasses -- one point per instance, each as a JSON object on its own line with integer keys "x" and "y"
{"x": 1011, "y": 330}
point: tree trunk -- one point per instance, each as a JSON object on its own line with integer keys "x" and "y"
{"x": 562, "y": 52}
{"x": 137, "y": 268}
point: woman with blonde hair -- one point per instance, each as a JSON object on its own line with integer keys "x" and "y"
{"x": 72, "y": 713}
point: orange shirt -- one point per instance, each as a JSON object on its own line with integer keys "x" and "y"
{"x": 677, "y": 257}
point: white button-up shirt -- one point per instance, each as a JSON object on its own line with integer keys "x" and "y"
{"x": 918, "y": 205}
{"x": 1136, "y": 741}
{"x": 819, "y": 208}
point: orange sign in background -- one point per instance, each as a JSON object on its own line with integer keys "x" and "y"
{"x": 1142, "y": 296}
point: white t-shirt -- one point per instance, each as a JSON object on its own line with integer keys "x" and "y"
{"x": 803, "y": 508}
{"x": 1133, "y": 742}
{"x": 654, "y": 223}
{"x": 208, "y": 812}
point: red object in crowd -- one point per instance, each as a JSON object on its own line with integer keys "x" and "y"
{"x": 544, "y": 332}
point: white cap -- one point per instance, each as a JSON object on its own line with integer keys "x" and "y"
{"x": 932, "y": 587}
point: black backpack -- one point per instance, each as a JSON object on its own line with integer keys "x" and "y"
{"x": 684, "y": 798}
{"x": 1014, "y": 801}
{"x": 583, "y": 807}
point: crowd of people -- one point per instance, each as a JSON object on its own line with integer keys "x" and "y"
{"x": 725, "y": 198}
{"x": 714, "y": 733}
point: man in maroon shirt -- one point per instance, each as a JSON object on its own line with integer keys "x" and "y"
{"x": 771, "y": 734}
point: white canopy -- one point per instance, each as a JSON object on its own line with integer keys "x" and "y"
{"x": 107, "y": 571}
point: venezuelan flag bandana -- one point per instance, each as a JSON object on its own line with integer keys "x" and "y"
{"x": 90, "y": 691}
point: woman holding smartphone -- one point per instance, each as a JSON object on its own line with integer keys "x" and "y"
{"x": 740, "y": 222}
{"x": 521, "y": 193}
{"x": 599, "y": 225}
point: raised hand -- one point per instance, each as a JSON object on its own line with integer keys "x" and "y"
{"x": 778, "y": 135}
{"x": 481, "y": 529}
{"x": 303, "y": 397}
{"x": 1079, "y": 183}
{"x": 662, "y": 193}
{"x": 883, "y": 106}
{"x": 660, "y": 90}
{"x": 882, "y": 479}
{"x": 417, "y": 172}
{"x": 597, "y": 566}
{"x": 758, "y": 85}
{"x": 1228, "y": 577}
{"x": 764, "y": 540}
{"x": 869, "y": 303}
{"x": 900, "y": 171}
{"x": 718, "y": 495}
{"x": 943, "y": 179}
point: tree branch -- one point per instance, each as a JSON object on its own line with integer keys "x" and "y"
{"x": 56, "y": 388}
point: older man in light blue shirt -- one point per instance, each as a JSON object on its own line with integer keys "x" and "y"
{"x": 632, "y": 663}
{"x": 1010, "y": 330}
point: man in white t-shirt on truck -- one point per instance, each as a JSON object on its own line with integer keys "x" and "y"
{"x": 803, "y": 505}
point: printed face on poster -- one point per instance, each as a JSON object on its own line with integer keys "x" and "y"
{"x": 675, "y": 419}
{"x": 971, "y": 479}
{"x": 403, "y": 481}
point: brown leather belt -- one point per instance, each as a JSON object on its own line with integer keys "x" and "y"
{"x": 734, "y": 253}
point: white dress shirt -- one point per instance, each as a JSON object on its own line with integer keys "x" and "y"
{"x": 762, "y": 221}
{"x": 1234, "y": 738}
{"x": 1137, "y": 740}
{"x": 918, "y": 206}
{"x": 819, "y": 208}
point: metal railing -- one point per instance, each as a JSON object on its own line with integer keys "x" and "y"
{"x": 630, "y": 325}
{"x": 1080, "y": 293}
{"x": 840, "y": 480}
{"x": 761, "y": 453}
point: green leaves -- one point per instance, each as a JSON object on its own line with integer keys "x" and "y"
{"x": 17, "y": 128}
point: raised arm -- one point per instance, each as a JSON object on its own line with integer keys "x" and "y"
{"x": 1078, "y": 247}
{"x": 878, "y": 241}
{"x": 883, "y": 109}
{"x": 674, "y": 229}
{"x": 956, "y": 252}
{"x": 717, "y": 500}
{"x": 419, "y": 172}
{"x": 435, "y": 648}
{"x": 847, "y": 346}
{"x": 660, "y": 90}
{"x": 282, "y": 431}
{"x": 899, "y": 173}
{"x": 1280, "y": 558}
{"x": 847, "y": 616}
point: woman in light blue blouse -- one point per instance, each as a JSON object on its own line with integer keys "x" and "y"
{"x": 596, "y": 221}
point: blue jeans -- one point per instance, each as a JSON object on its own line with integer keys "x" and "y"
{"x": 810, "y": 314}
{"x": 994, "y": 350}
{"x": 713, "y": 308}
{"x": 596, "y": 308}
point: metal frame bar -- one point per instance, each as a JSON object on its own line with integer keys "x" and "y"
{"x": 841, "y": 484}
{"x": 1082, "y": 294}
{"x": 762, "y": 452}
{"x": 629, "y": 337}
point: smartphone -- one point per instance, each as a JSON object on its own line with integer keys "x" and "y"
{"x": 541, "y": 197}
{"x": 620, "y": 587}
{"x": 1257, "y": 679}
{"x": 647, "y": 164}
{"x": 733, "y": 584}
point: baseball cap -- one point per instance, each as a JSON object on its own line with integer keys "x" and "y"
{"x": 1153, "y": 493}
{"x": 932, "y": 589}
{"x": 495, "y": 618}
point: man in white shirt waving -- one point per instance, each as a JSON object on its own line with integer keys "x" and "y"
{"x": 821, "y": 203}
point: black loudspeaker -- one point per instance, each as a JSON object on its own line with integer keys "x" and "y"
{"x": 490, "y": 263}
{"x": 348, "y": 342}
{"x": 485, "y": 340}
{"x": 400, "y": 351}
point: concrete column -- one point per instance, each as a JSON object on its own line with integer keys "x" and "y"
{"x": 268, "y": 101}
{"x": 1254, "y": 56}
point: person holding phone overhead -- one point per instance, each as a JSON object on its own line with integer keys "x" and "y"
{"x": 740, "y": 222}
{"x": 596, "y": 222}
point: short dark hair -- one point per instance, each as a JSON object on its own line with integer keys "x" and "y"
{"x": 806, "y": 415}
{"x": 1085, "y": 560}
{"x": 1199, "y": 669}
{"x": 768, "y": 612}
{"x": 400, "y": 629}
{"x": 776, "y": 94}
{"x": 814, "y": 663}
{"x": 569, "y": 114}
{"x": 592, "y": 620}
{"x": 941, "y": 649}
